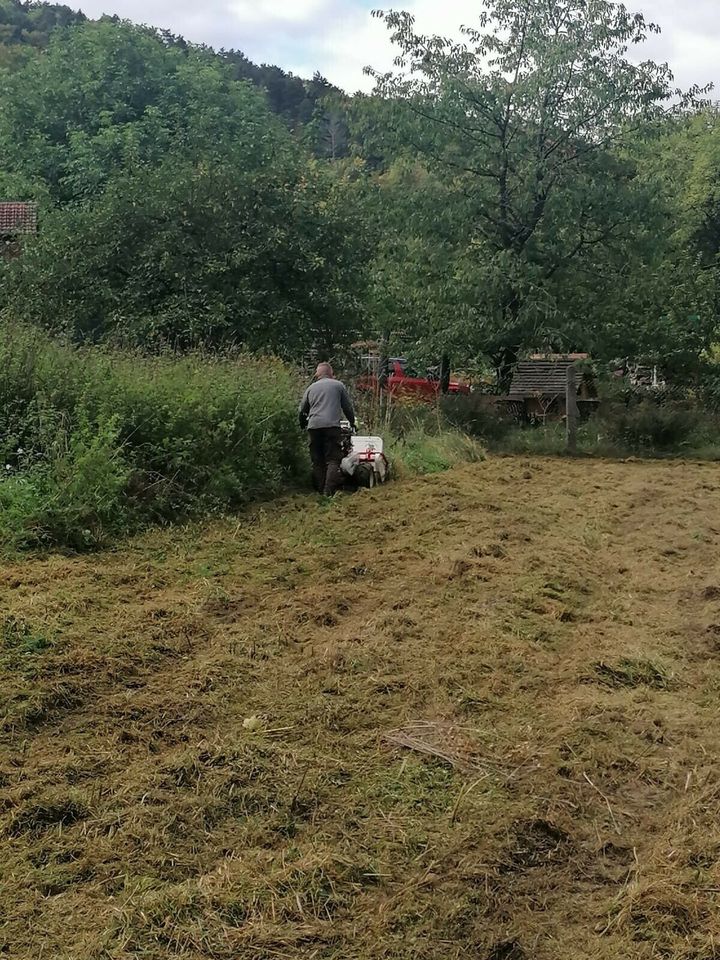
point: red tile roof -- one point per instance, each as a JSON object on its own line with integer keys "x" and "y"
{"x": 17, "y": 218}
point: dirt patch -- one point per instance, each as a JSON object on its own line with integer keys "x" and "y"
{"x": 507, "y": 950}
{"x": 536, "y": 843}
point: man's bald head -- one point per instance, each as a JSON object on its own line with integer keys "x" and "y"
{"x": 324, "y": 370}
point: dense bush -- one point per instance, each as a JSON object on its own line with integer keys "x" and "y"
{"x": 94, "y": 442}
{"x": 477, "y": 415}
{"x": 659, "y": 422}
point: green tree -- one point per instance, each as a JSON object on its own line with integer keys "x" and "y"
{"x": 684, "y": 167}
{"x": 175, "y": 206}
{"x": 528, "y": 119}
{"x": 30, "y": 24}
{"x": 188, "y": 253}
{"x": 325, "y": 125}
{"x": 107, "y": 97}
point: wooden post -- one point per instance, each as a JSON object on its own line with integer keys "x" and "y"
{"x": 383, "y": 395}
{"x": 571, "y": 409}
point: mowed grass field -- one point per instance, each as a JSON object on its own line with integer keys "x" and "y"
{"x": 473, "y": 715}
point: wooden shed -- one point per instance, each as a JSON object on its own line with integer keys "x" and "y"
{"x": 537, "y": 391}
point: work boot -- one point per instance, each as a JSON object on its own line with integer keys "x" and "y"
{"x": 333, "y": 479}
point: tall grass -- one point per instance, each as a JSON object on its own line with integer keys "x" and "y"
{"x": 93, "y": 443}
{"x": 420, "y": 439}
{"x": 659, "y": 424}
{"x": 627, "y": 423}
{"x": 420, "y": 452}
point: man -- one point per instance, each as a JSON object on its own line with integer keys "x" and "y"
{"x": 321, "y": 410}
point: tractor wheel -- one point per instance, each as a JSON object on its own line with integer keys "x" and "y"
{"x": 364, "y": 475}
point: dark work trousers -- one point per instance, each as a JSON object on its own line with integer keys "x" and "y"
{"x": 326, "y": 454}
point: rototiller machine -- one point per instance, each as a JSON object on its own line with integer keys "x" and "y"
{"x": 364, "y": 462}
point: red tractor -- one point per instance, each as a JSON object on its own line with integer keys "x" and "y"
{"x": 401, "y": 380}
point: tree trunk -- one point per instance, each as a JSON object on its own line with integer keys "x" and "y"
{"x": 505, "y": 357}
{"x": 504, "y": 363}
{"x": 571, "y": 410}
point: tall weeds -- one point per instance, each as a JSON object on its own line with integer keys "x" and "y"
{"x": 93, "y": 442}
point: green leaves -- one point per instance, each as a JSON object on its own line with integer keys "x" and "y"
{"x": 105, "y": 440}
{"x": 108, "y": 96}
{"x": 178, "y": 208}
{"x": 527, "y": 123}
{"x": 183, "y": 255}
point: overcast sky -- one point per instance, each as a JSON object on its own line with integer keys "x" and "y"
{"x": 339, "y": 37}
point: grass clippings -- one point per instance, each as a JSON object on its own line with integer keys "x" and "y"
{"x": 633, "y": 673}
{"x": 443, "y": 740}
{"x": 194, "y": 752}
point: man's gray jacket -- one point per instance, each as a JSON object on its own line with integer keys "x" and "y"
{"x": 324, "y": 404}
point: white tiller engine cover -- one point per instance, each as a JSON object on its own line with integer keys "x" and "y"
{"x": 366, "y": 450}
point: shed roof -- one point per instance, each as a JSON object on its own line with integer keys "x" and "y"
{"x": 17, "y": 218}
{"x": 545, "y": 378}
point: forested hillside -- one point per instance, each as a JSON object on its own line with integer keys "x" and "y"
{"x": 176, "y": 204}
{"x": 26, "y": 27}
{"x": 534, "y": 189}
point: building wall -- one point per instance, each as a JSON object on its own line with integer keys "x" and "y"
{"x": 10, "y": 248}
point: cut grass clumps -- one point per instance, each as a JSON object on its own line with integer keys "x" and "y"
{"x": 284, "y": 899}
{"x": 18, "y": 638}
{"x": 633, "y": 673}
{"x": 533, "y": 812}
{"x": 536, "y": 843}
{"x": 507, "y": 950}
{"x": 52, "y": 812}
{"x": 22, "y": 647}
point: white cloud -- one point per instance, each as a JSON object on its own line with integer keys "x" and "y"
{"x": 344, "y": 50}
{"x": 270, "y": 12}
{"x": 689, "y": 42}
{"x": 351, "y": 39}
{"x": 339, "y": 37}
{"x": 444, "y": 18}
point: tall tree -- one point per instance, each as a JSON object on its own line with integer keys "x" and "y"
{"x": 206, "y": 252}
{"x": 527, "y": 116}
{"x": 175, "y": 205}
{"x": 683, "y": 167}
{"x": 108, "y": 97}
